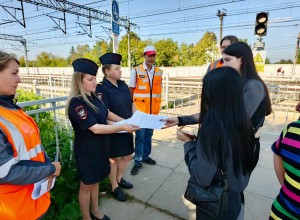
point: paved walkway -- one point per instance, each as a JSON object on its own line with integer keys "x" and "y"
{"x": 158, "y": 190}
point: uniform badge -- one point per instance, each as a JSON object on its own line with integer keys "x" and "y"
{"x": 100, "y": 95}
{"x": 141, "y": 76}
{"x": 81, "y": 112}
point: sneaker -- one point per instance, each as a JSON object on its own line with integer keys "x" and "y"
{"x": 149, "y": 161}
{"x": 135, "y": 169}
{"x": 124, "y": 184}
{"x": 119, "y": 194}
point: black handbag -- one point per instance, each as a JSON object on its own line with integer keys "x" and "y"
{"x": 210, "y": 200}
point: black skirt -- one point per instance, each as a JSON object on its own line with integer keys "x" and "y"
{"x": 121, "y": 144}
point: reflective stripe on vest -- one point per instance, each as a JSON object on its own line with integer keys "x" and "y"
{"x": 5, "y": 168}
{"x": 147, "y": 98}
{"x": 147, "y": 95}
{"x": 142, "y": 87}
{"x": 19, "y": 145}
{"x": 12, "y": 123}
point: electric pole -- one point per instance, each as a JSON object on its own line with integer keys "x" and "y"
{"x": 221, "y": 14}
{"x": 296, "y": 55}
{"x": 128, "y": 33}
{"x": 26, "y": 54}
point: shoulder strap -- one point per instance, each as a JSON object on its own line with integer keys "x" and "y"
{"x": 259, "y": 125}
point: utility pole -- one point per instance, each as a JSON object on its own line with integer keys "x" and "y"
{"x": 296, "y": 55}
{"x": 221, "y": 14}
{"x": 129, "y": 56}
{"x": 26, "y": 54}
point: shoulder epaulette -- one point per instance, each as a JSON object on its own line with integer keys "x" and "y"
{"x": 78, "y": 96}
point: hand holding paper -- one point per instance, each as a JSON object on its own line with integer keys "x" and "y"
{"x": 144, "y": 120}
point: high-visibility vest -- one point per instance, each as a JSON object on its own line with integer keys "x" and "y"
{"x": 23, "y": 134}
{"x": 147, "y": 98}
{"x": 215, "y": 65}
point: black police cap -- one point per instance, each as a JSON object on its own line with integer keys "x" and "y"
{"x": 84, "y": 65}
{"x": 111, "y": 58}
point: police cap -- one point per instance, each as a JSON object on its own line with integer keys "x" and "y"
{"x": 111, "y": 58}
{"x": 84, "y": 65}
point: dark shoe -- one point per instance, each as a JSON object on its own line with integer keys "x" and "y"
{"x": 105, "y": 217}
{"x": 124, "y": 184}
{"x": 149, "y": 161}
{"x": 119, "y": 194}
{"x": 135, "y": 169}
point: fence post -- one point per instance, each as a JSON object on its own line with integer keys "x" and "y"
{"x": 34, "y": 87}
{"x": 57, "y": 156}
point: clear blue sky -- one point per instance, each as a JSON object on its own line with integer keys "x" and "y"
{"x": 181, "y": 20}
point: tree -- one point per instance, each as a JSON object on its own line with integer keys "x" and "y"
{"x": 168, "y": 53}
{"x": 283, "y": 61}
{"x": 22, "y": 61}
{"x": 136, "y": 49}
{"x": 205, "y": 49}
{"x": 99, "y": 48}
{"x": 49, "y": 60}
{"x": 186, "y": 54}
{"x": 267, "y": 61}
{"x": 81, "y": 51}
{"x": 72, "y": 55}
{"x": 243, "y": 40}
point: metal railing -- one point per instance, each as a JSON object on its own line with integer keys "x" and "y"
{"x": 55, "y": 106}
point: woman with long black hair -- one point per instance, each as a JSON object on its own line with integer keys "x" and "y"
{"x": 225, "y": 133}
{"x": 255, "y": 93}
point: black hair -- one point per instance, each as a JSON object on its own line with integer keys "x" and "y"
{"x": 225, "y": 126}
{"x": 231, "y": 38}
{"x": 248, "y": 70}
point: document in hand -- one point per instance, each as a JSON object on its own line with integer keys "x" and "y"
{"x": 40, "y": 188}
{"x": 144, "y": 120}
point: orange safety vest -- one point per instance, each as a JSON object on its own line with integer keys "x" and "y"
{"x": 215, "y": 65}
{"x": 23, "y": 134}
{"x": 147, "y": 99}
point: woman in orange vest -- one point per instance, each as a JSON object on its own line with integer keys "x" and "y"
{"x": 23, "y": 160}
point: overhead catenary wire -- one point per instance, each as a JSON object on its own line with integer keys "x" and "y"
{"x": 44, "y": 34}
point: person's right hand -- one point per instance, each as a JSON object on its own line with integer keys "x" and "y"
{"x": 57, "y": 168}
{"x": 130, "y": 128}
{"x": 170, "y": 122}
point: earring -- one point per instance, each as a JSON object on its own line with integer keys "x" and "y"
{"x": 107, "y": 75}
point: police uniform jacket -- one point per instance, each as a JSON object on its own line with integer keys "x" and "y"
{"x": 91, "y": 150}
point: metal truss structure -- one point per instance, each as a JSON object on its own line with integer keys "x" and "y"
{"x": 17, "y": 38}
{"x": 13, "y": 14}
{"x": 79, "y": 10}
{"x": 66, "y": 7}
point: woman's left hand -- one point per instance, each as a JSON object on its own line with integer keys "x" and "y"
{"x": 184, "y": 136}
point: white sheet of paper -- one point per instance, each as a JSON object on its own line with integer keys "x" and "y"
{"x": 40, "y": 188}
{"x": 144, "y": 120}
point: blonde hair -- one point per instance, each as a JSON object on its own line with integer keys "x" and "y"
{"x": 5, "y": 58}
{"x": 104, "y": 68}
{"x": 77, "y": 90}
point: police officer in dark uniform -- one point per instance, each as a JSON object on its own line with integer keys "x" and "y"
{"x": 116, "y": 96}
{"x": 88, "y": 116}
